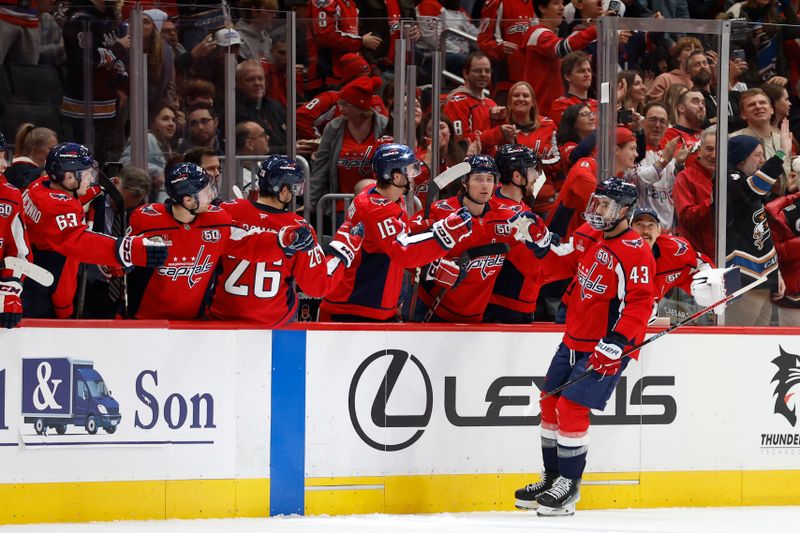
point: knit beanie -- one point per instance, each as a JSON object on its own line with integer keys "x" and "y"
{"x": 624, "y": 136}
{"x": 358, "y": 92}
{"x": 352, "y": 66}
{"x": 740, "y": 148}
{"x": 157, "y": 16}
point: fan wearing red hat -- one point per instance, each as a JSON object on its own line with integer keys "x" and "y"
{"x": 348, "y": 142}
{"x": 313, "y": 116}
{"x": 581, "y": 181}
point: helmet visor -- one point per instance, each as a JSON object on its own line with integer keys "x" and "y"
{"x": 602, "y": 212}
{"x": 412, "y": 170}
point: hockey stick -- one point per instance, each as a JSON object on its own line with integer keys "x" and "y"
{"x": 462, "y": 262}
{"x": 20, "y": 267}
{"x": 237, "y": 192}
{"x": 660, "y": 334}
{"x": 111, "y": 190}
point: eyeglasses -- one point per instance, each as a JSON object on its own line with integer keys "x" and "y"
{"x": 656, "y": 120}
{"x": 201, "y": 121}
{"x": 587, "y": 114}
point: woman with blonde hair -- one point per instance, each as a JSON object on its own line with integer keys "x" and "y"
{"x": 31, "y": 145}
{"x": 160, "y": 62}
{"x": 671, "y": 97}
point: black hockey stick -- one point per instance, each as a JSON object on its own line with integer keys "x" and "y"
{"x": 462, "y": 262}
{"x": 111, "y": 190}
{"x": 660, "y": 334}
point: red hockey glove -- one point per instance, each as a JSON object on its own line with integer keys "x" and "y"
{"x": 10, "y": 302}
{"x": 454, "y": 228}
{"x": 91, "y": 193}
{"x": 347, "y": 242}
{"x": 607, "y": 356}
{"x": 141, "y": 251}
{"x": 297, "y": 238}
{"x": 445, "y": 272}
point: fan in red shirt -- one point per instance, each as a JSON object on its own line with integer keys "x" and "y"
{"x": 691, "y": 110}
{"x": 693, "y": 195}
{"x": 264, "y": 292}
{"x": 470, "y": 110}
{"x": 370, "y": 290}
{"x": 504, "y": 24}
{"x": 576, "y": 74}
{"x": 199, "y": 234}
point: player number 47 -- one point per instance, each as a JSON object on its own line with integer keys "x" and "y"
{"x": 640, "y": 274}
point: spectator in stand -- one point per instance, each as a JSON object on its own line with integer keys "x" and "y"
{"x": 748, "y": 240}
{"x": 160, "y": 147}
{"x": 348, "y": 142}
{"x": 169, "y": 31}
{"x": 160, "y": 60}
{"x": 203, "y": 123}
{"x": 469, "y": 109}
{"x": 32, "y": 146}
{"x": 199, "y": 92}
{"x": 109, "y": 55}
{"x": 699, "y": 69}
{"x": 576, "y": 75}
{"x": 635, "y": 90}
{"x": 691, "y": 110}
{"x": 275, "y": 70}
{"x": 693, "y": 195}
{"x": 504, "y": 25}
{"x": 208, "y": 160}
{"x": 20, "y": 35}
{"x": 207, "y": 59}
{"x": 313, "y": 116}
{"x": 577, "y": 123}
{"x": 251, "y": 140}
{"x": 757, "y": 111}
{"x": 677, "y": 76}
{"x": 581, "y": 182}
{"x": 783, "y": 214}
{"x": 257, "y": 18}
{"x": 383, "y": 19}
{"x": 524, "y": 126}
{"x": 252, "y": 104}
{"x": 334, "y": 25}
{"x": 51, "y": 48}
{"x": 450, "y": 152}
{"x": 436, "y": 15}
{"x": 544, "y": 50}
{"x": 671, "y": 101}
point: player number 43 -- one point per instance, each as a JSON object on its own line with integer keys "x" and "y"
{"x": 640, "y": 274}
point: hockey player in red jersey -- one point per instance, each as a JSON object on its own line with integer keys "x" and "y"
{"x": 608, "y": 309}
{"x": 13, "y": 243}
{"x": 199, "y": 234}
{"x": 60, "y": 238}
{"x": 371, "y": 288}
{"x": 264, "y": 292}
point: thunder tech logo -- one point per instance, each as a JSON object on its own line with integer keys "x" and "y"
{"x": 788, "y": 384}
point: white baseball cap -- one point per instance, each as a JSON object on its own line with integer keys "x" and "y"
{"x": 227, "y": 37}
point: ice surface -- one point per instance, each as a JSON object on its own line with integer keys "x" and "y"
{"x": 733, "y": 519}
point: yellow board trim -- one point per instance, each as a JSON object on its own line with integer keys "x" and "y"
{"x": 228, "y": 498}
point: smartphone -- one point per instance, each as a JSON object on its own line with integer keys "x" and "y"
{"x": 615, "y": 6}
{"x": 738, "y": 54}
{"x": 624, "y": 116}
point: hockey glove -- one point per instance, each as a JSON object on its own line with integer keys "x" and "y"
{"x": 347, "y": 242}
{"x": 297, "y": 238}
{"x": 141, "y": 251}
{"x": 454, "y": 228}
{"x": 713, "y": 284}
{"x": 607, "y": 356}
{"x": 10, "y": 302}
{"x": 91, "y": 193}
{"x": 446, "y": 273}
{"x": 531, "y": 229}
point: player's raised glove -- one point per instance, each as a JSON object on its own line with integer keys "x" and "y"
{"x": 713, "y": 284}
{"x": 607, "y": 356}
{"x": 297, "y": 238}
{"x": 141, "y": 251}
{"x": 10, "y": 302}
{"x": 454, "y": 228}
{"x": 531, "y": 229}
{"x": 91, "y": 193}
{"x": 445, "y": 272}
{"x": 347, "y": 242}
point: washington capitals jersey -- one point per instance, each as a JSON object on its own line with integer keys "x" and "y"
{"x": 60, "y": 240}
{"x": 371, "y": 286}
{"x": 263, "y": 292}
{"x": 177, "y": 289}
{"x": 676, "y": 261}
{"x": 13, "y": 239}
{"x": 614, "y": 291}
{"x": 468, "y": 300}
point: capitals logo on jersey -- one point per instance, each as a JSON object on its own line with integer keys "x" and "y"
{"x": 589, "y": 282}
{"x": 60, "y": 196}
{"x": 486, "y": 264}
{"x": 189, "y": 267}
{"x": 682, "y": 247}
{"x": 633, "y": 243}
{"x": 150, "y": 211}
{"x": 788, "y": 384}
{"x": 760, "y": 229}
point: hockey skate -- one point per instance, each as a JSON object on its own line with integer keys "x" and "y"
{"x": 525, "y": 498}
{"x": 560, "y": 499}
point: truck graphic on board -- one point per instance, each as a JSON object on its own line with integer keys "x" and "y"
{"x": 57, "y": 392}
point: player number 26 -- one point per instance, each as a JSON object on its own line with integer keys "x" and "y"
{"x": 265, "y": 282}
{"x": 640, "y": 274}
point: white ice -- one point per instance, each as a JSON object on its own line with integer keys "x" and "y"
{"x": 733, "y": 519}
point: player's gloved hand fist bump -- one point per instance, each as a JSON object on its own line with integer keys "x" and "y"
{"x": 347, "y": 242}
{"x": 10, "y": 302}
{"x": 445, "y": 272}
{"x": 297, "y": 238}
{"x": 607, "y": 355}
{"x": 141, "y": 251}
{"x": 713, "y": 284}
{"x": 532, "y": 228}
{"x": 449, "y": 231}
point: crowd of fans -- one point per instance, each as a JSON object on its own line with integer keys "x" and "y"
{"x": 528, "y": 79}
